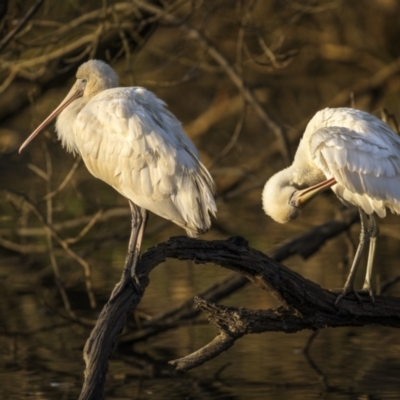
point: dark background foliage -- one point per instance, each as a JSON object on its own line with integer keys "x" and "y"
{"x": 243, "y": 76}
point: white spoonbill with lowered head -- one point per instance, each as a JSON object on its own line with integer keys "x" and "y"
{"x": 129, "y": 140}
{"x": 358, "y": 157}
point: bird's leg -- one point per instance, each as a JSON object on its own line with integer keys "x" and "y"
{"x": 141, "y": 225}
{"x": 364, "y": 237}
{"x": 373, "y": 233}
{"x": 138, "y": 224}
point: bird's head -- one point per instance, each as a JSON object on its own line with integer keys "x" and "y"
{"x": 276, "y": 198}
{"x": 92, "y": 77}
{"x": 283, "y": 200}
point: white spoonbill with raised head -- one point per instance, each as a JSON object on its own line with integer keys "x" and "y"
{"x": 356, "y": 155}
{"x": 128, "y": 139}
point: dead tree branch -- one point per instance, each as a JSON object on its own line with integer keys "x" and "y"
{"x": 305, "y": 305}
{"x": 305, "y": 244}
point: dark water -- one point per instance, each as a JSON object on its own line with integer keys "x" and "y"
{"x": 41, "y": 350}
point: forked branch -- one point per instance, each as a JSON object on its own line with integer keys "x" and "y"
{"x": 305, "y": 305}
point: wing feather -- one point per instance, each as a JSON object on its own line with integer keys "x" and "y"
{"x": 129, "y": 140}
{"x": 365, "y": 165}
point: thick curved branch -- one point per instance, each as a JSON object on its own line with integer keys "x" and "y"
{"x": 305, "y": 304}
{"x": 289, "y": 287}
{"x": 233, "y": 323}
{"x": 305, "y": 244}
{"x": 103, "y": 340}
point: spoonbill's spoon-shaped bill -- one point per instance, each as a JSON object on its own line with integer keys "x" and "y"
{"x": 300, "y": 198}
{"x": 65, "y": 103}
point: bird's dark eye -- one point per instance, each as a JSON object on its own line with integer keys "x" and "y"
{"x": 84, "y": 80}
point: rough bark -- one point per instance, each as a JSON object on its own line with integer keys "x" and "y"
{"x": 305, "y": 305}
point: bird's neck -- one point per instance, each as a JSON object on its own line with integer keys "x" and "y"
{"x": 65, "y": 125}
{"x": 303, "y": 171}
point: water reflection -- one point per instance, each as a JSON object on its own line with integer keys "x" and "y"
{"x": 42, "y": 351}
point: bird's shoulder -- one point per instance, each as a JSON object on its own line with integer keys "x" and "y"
{"x": 132, "y": 112}
{"x": 128, "y": 134}
{"x": 352, "y": 130}
{"x": 123, "y": 103}
{"x": 342, "y": 150}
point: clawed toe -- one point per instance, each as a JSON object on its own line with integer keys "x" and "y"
{"x": 346, "y": 291}
{"x": 369, "y": 292}
{"x": 136, "y": 285}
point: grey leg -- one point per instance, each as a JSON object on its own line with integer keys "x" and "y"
{"x": 364, "y": 237}
{"x": 141, "y": 225}
{"x": 373, "y": 233}
{"x": 138, "y": 224}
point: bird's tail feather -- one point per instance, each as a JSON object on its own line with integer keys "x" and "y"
{"x": 203, "y": 202}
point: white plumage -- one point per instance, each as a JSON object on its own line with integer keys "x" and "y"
{"x": 354, "y": 153}
{"x": 128, "y": 139}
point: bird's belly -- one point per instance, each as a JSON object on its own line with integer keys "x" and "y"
{"x": 367, "y": 203}
{"x": 100, "y": 170}
{"x": 343, "y": 195}
{"x": 164, "y": 207}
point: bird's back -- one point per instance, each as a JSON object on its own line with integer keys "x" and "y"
{"x": 350, "y": 118}
{"x": 361, "y": 152}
